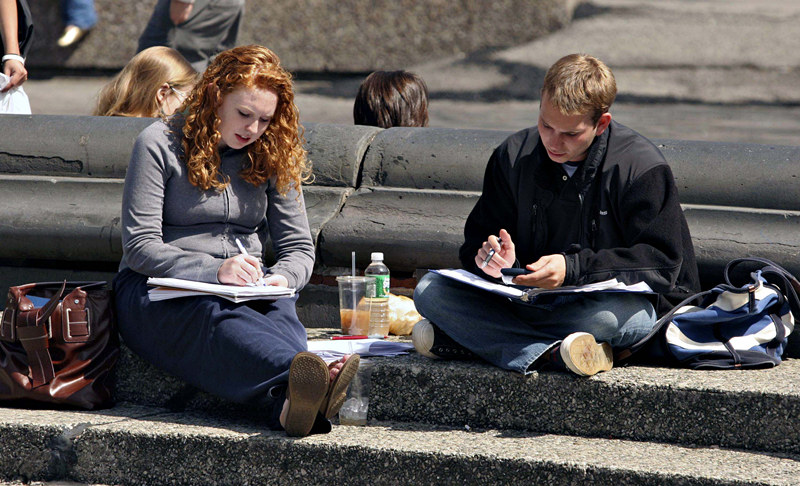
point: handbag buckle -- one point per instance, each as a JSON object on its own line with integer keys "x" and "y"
{"x": 7, "y": 325}
{"x": 71, "y": 326}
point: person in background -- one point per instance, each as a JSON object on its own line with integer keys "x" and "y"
{"x": 13, "y": 59}
{"x": 79, "y": 16}
{"x": 392, "y": 99}
{"x": 577, "y": 199}
{"x": 155, "y": 82}
{"x": 198, "y": 29}
{"x": 224, "y": 173}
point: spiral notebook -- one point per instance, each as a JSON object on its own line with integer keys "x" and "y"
{"x": 173, "y": 288}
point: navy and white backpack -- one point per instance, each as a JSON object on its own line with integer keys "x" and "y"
{"x": 729, "y": 326}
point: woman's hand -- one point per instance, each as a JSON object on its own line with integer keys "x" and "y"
{"x": 276, "y": 279}
{"x": 504, "y": 257}
{"x": 16, "y": 71}
{"x": 179, "y": 11}
{"x": 240, "y": 270}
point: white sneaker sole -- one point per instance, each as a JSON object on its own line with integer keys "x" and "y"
{"x": 584, "y": 356}
{"x": 422, "y": 337}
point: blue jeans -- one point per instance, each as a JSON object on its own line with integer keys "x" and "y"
{"x": 514, "y": 335}
{"x": 79, "y": 13}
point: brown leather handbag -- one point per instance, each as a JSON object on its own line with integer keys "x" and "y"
{"x": 59, "y": 344}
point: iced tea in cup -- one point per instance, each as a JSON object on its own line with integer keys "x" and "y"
{"x": 354, "y": 307}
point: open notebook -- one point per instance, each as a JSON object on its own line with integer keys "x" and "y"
{"x": 530, "y": 294}
{"x": 173, "y": 288}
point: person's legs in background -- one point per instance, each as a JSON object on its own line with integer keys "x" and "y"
{"x": 79, "y": 16}
{"x": 157, "y": 31}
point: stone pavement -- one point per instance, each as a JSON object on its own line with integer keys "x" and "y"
{"x": 694, "y": 70}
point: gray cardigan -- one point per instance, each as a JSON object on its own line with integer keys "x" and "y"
{"x": 171, "y": 228}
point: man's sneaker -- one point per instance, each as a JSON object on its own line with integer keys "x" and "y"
{"x": 430, "y": 341}
{"x": 584, "y": 356}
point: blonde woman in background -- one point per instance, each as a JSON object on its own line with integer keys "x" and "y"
{"x": 154, "y": 83}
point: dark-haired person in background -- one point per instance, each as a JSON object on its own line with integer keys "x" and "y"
{"x": 392, "y": 99}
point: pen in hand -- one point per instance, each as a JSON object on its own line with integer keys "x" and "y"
{"x": 260, "y": 280}
{"x": 491, "y": 253}
{"x": 241, "y": 247}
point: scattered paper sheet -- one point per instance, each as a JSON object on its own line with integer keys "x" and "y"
{"x": 331, "y": 350}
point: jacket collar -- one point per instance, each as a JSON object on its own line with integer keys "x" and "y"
{"x": 594, "y": 160}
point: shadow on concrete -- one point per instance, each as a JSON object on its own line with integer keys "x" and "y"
{"x": 524, "y": 84}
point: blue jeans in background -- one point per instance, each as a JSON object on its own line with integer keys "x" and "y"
{"x": 79, "y": 13}
{"x": 513, "y": 335}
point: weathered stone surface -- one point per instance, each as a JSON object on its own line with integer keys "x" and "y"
{"x": 149, "y": 446}
{"x": 735, "y": 174}
{"x": 61, "y": 218}
{"x": 336, "y": 152}
{"x": 430, "y": 158}
{"x": 413, "y": 229}
{"x": 321, "y": 35}
{"x": 748, "y": 410}
{"x": 68, "y": 146}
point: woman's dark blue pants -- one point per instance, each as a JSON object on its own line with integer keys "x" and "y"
{"x": 238, "y": 351}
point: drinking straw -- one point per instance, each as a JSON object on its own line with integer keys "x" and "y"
{"x": 355, "y": 304}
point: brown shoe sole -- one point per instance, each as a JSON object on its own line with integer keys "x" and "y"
{"x": 308, "y": 385}
{"x": 338, "y": 388}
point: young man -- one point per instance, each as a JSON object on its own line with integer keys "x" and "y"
{"x": 578, "y": 199}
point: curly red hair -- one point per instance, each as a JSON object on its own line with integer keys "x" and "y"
{"x": 278, "y": 152}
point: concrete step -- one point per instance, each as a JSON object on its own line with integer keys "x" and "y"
{"x": 754, "y": 409}
{"x": 135, "y": 445}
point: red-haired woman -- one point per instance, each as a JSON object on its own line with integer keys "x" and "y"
{"x": 230, "y": 168}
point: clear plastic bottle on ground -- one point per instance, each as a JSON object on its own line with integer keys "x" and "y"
{"x": 379, "y": 310}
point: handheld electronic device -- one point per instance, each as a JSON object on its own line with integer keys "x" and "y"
{"x": 513, "y": 272}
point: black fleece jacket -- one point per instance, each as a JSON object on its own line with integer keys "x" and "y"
{"x": 618, "y": 216}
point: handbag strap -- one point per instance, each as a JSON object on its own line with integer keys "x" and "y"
{"x": 786, "y": 282}
{"x": 659, "y": 327}
{"x": 34, "y": 335}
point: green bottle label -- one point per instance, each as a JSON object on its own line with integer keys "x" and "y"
{"x": 381, "y": 286}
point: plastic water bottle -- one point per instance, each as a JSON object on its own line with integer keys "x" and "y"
{"x": 379, "y": 303}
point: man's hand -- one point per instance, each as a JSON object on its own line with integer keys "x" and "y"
{"x": 548, "y": 272}
{"x": 179, "y": 11}
{"x": 504, "y": 256}
{"x": 16, "y": 71}
{"x": 240, "y": 270}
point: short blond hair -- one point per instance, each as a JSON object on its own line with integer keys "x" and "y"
{"x": 579, "y": 84}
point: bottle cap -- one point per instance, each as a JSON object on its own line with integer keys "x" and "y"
{"x": 377, "y": 255}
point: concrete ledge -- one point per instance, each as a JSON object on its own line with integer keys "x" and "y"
{"x": 403, "y": 191}
{"x": 142, "y": 446}
{"x": 413, "y": 228}
{"x": 430, "y": 158}
{"x": 749, "y": 410}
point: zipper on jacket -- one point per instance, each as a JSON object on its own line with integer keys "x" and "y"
{"x": 580, "y": 218}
